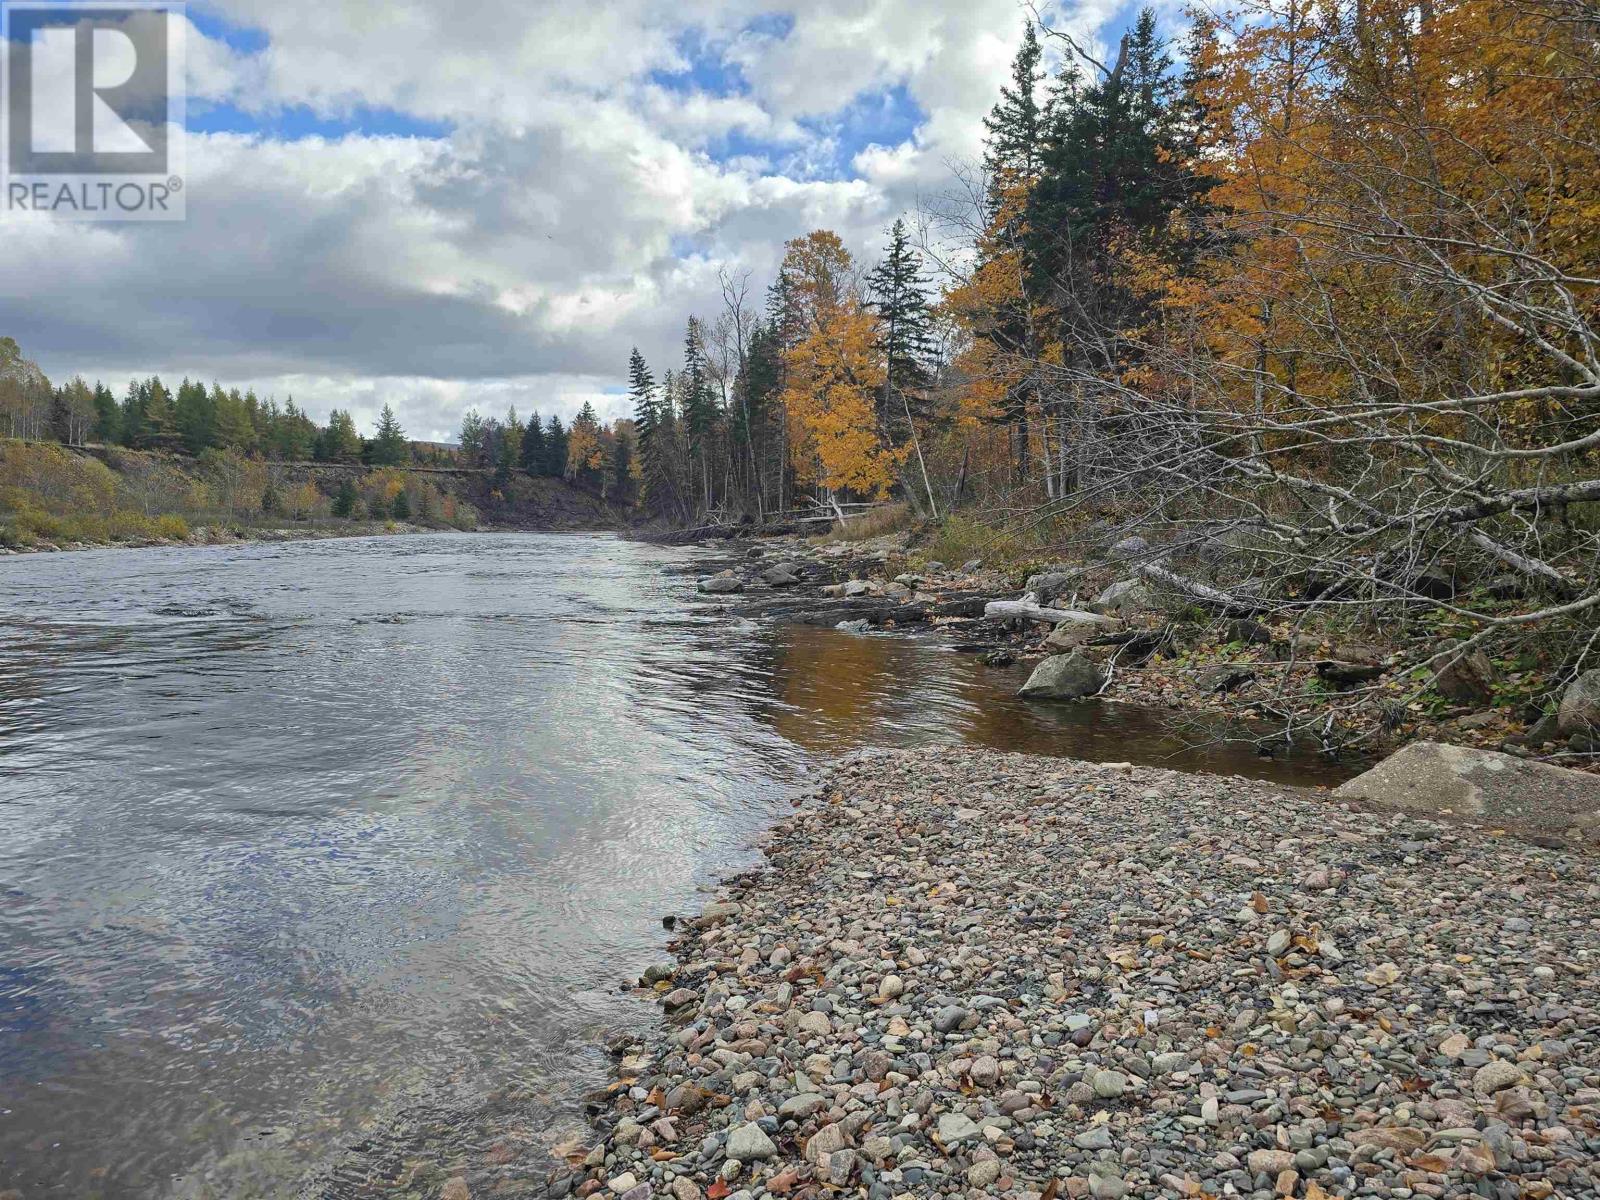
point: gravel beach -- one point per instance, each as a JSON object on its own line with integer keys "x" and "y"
{"x": 969, "y": 973}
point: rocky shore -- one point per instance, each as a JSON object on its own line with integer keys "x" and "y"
{"x": 1104, "y": 629}
{"x": 974, "y": 974}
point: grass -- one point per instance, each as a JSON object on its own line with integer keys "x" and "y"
{"x": 891, "y": 518}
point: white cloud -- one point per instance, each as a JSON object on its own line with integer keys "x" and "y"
{"x": 575, "y": 207}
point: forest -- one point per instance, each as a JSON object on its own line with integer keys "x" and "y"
{"x": 1297, "y": 309}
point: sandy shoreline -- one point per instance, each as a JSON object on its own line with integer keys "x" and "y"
{"x": 969, "y": 973}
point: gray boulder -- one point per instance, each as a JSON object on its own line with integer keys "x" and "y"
{"x": 1064, "y": 677}
{"x": 1580, "y": 705}
{"x": 1123, "y": 599}
{"x": 1430, "y": 777}
{"x": 722, "y": 584}
{"x": 1049, "y": 584}
{"x": 1130, "y": 547}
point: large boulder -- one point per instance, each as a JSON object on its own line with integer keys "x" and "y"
{"x": 1430, "y": 777}
{"x": 1124, "y": 599}
{"x": 1580, "y": 706}
{"x": 1064, "y": 677}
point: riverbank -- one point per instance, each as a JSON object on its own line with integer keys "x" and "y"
{"x": 1345, "y": 691}
{"x": 212, "y": 535}
{"x": 973, "y": 973}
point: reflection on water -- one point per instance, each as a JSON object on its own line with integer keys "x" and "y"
{"x": 320, "y": 863}
{"x": 836, "y": 691}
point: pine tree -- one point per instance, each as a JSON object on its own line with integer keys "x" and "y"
{"x": 401, "y": 508}
{"x": 390, "y": 448}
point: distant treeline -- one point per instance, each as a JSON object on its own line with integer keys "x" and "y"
{"x": 194, "y": 419}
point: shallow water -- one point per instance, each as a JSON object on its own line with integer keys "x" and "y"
{"x": 320, "y": 862}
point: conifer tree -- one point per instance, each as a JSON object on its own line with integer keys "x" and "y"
{"x": 555, "y": 448}
{"x": 533, "y": 454}
{"x": 1016, "y": 125}
{"x": 345, "y": 499}
{"x": 898, "y": 293}
{"x": 655, "y": 486}
{"x": 390, "y": 448}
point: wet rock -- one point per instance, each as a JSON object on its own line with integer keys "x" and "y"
{"x": 722, "y": 584}
{"x": 1064, "y": 677}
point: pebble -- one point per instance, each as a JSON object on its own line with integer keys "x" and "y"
{"x": 977, "y": 973}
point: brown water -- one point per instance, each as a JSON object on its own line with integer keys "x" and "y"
{"x": 320, "y": 863}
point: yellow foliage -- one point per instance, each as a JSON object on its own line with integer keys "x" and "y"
{"x": 833, "y": 374}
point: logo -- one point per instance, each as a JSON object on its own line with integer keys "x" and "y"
{"x": 92, "y": 110}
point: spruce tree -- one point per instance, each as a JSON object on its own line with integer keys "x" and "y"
{"x": 699, "y": 408}
{"x": 555, "y": 448}
{"x": 194, "y": 416}
{"x": 107, "y": 417}
{"x": 898, "y": 292}
{"x": 1016, "y": 125}
{"x": 647, "y": 428}
{"x": 390, "y": 448}
{"x": 345, "y": 499}
{"x": 533, "y": 446}
{"x": 1112, "y": 174}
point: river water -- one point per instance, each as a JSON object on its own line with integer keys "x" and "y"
{"x": 321, "y": 862}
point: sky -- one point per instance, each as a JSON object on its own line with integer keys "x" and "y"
{"x": 489, "y": 202}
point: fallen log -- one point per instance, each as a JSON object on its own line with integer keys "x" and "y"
{"x": 1026, "y": 610}
{"x": 967, "y": 606}
{"x": 1195, "y": 590}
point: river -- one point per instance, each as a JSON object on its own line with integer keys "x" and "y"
{"x": 321, "y": 863}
